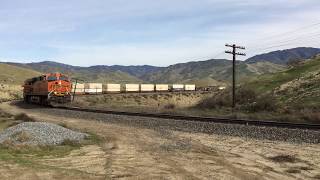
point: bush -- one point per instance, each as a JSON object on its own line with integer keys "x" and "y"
{"x": 24, "y": 117}
{"x": 262, "y": 103}
{"x": 311, "y": 117}
{"x": 283, "y": 159}
{"x": 170, "y": 106}
{"x": 245, "y": 96}
{"x": 247, "y": 100}
{"x": 68, "y": 142}
{"x": 222, "y": 99}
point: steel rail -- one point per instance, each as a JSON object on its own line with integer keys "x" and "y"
{"x": 261, "y": 123}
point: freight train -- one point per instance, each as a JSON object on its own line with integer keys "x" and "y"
{"x": 57, "y": 88}
{"x": 98, "y": 88}
{"x": 48, "y": 89}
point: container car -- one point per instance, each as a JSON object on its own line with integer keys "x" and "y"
{"x": 132, "y": 88}
{"x": 47, "y": 89}
{"x": 190, "y": 87}
{"x": 147, "y": 87}
{"x": 77, "y": 88}
{"x": 162, "y": 87}
{"x": 111, "y": 88}
{"x": 93, "y": 88}
{"x": 177, "y": 87}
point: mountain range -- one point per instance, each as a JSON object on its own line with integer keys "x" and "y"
{"x": 284, "y": 56}
{"x": 203, "y": 73}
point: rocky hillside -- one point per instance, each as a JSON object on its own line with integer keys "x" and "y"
{"x": 202, "y": 73}
{"x": 210, "y": 72}
{"x": 297, "y": 85}
{"x": 15, "y": 75}
{"x": 284, "y": 56}
{"x": 93, "y": 74}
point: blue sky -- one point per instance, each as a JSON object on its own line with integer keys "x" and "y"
{"x": 162, "y": 32}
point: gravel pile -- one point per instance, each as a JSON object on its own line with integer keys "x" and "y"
{"x": 39, "y": 133}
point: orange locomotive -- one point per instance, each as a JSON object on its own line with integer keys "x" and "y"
{"x": 47, "y": 89}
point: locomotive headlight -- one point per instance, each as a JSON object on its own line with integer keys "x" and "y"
{"x": 59, "y": 82}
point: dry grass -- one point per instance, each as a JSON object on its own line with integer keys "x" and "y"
{"x": 293, "y": 171}
{"x": 24, "y": 117}
{"x": 145, "y": 101}
{"x": 22, "y": 136}
{"x": 10, "y": 92}
{"x": 284, "y": 159}
{"x": 170, "y": 106}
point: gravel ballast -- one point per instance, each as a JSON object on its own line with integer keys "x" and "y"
{"x": 39, "y": 133}
{"x": 159, "y": 124}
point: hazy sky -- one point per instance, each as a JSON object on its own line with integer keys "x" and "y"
{"x": 155, "y": 32}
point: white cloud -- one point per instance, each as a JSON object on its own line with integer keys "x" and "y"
{"x": 160, "y": 32}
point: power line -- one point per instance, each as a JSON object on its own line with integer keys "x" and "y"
{"x": 293, "y": 31}
{"x": 286, "y": 43}
{"x": 218, "y": 54}
{"x": 294, "y": 39}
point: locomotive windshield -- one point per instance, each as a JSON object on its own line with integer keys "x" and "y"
{"x": 52, "y": 78}
{"x": 64, "y": 78}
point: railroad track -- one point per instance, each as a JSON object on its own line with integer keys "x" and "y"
{"x": 202, "y": 119}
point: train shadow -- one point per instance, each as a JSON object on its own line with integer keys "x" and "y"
{"x": 23, "y": 105}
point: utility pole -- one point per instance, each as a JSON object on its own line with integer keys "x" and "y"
{"x": 234, "y": 53}
{"x": 74, "y": 91}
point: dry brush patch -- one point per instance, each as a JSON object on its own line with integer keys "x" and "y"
{"x": 10, "y": 92}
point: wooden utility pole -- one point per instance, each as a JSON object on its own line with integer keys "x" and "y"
{"x": 74, "y": 91}
{"x": 234, "y": 53}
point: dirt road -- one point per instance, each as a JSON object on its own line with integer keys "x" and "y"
{"x": 131, "y": 152}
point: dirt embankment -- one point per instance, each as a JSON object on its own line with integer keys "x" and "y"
{"x": 142, "y": 100}
{"x": 133, "y": 152}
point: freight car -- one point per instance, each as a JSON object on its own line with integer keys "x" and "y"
{"x": 78, "y": 88}
{"x": 146, "y": 87}
{"x": 132, "y": 88}
{"x": 93, "y": 88}
{"x": 162, "y": 87}
{"x": 111, "y": 88}
{"x": 47, "y": 89}
{"x": 190, "y": 87}
{"x": 177, "y": 87}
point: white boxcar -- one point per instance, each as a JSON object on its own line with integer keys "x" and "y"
{"x": 190, "y": 87}
{"x": 132, "y": 87}
{"x": 177, "y": 87}
{"x": 93, "y": 88}
{"x": 78, "y": 89}
{"x": 111, "y": 88}
{"x": 162, "y": 87}
{"x": 147, "y": 87}
{"x": 79, "y": 85}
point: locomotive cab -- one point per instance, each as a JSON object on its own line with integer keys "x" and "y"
{"x": 47, "y": 89}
